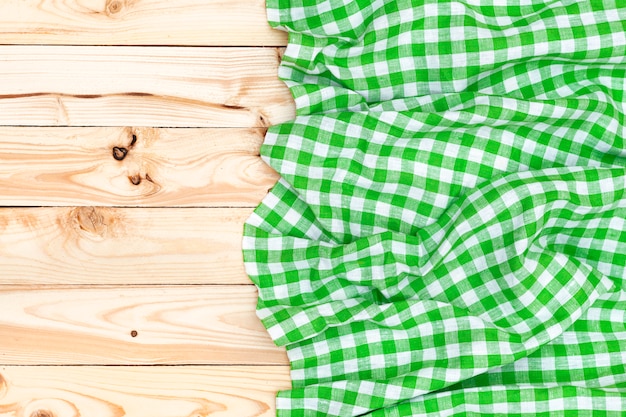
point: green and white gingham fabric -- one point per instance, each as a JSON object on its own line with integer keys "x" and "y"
{"x": 448, "y": 236}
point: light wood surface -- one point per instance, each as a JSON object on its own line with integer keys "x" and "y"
{"x": 190, "y": 391}
{"x": 141, "y": 86}
{"x": 111, "y": 246}
{"x": 137, "y": 22}
{"x": 132, "y": 167}
{"x": 96, "y": 325}
{"x": 129, "y": 161}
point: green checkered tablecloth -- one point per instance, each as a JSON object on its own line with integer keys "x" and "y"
{"x": 448, "y": 236}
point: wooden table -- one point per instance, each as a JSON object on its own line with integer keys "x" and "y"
{"x": 129, "y": 140}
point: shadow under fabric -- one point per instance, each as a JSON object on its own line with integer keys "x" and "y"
{"x": 448, "y": 236}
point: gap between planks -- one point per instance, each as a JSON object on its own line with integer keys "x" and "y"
{"x": 193, "y": 391}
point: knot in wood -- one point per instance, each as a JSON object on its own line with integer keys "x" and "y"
{"x": 91, "y": 221}
{"x": 135, "y": 179}
{"x": 114, "y": 6}
{"x": 42, "y": 413}
{"x": 119, "y": 153}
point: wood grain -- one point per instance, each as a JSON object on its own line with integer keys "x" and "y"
{"x": 132, "y": 167}
{"x": 133, "y": 325}
{"x": 99, "y": 245}
{"x": 137, "y": 22}
{"x": 191, "y": 391}
{"x": 140, "y": 86}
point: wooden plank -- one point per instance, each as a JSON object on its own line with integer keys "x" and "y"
{"x": 132, "y": 167}
{"x": 139, "y": 86}
{"x": 131, "y": 22}
{"x": 133, "y": 325}
{"x": 85, "y": 245}
{"x": 156, "y": 391}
